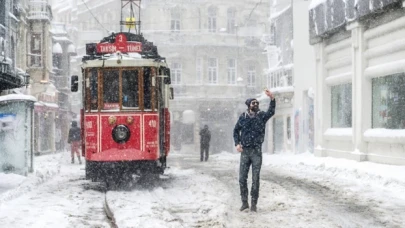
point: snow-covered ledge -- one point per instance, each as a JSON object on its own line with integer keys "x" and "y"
{"x": 385, "y": 135}
{"x": 338, "y": 134}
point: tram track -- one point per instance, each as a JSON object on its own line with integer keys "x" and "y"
{"x": 109, "y": 213}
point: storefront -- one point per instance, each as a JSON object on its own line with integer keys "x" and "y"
{"x": 360, "y": 105}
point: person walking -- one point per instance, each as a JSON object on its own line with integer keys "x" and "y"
{"x": 205, "y": 138}
{"x": 248, "y": 135}
{"x": 74, "y": 139}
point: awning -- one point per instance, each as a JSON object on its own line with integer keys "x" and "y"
{"x": 57, "y": 49}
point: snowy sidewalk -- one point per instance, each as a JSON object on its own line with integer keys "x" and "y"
{"x": 13, "y": 185}
{"x": 390, "y": 176}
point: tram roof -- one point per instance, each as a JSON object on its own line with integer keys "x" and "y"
{"x": 123, "y": 60}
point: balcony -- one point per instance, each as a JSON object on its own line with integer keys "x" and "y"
{"x": 39, "y": 10}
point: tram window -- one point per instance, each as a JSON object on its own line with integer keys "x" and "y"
{"x": 111, "y": 89}
{"x": 147, "y": 89}
{"x": 93, "y": 79}
{"x": 130, "y": 89}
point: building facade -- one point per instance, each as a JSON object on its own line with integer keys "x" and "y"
{"x": 217, "y": 61}
{"x": 16, "y": 105}
{"x": 360, "y": 93}
{"x": 13, "y": 28}
{"x": 214, "y": 50}
{"x": 62, "y": 51}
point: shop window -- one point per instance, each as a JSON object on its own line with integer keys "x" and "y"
{"x": 388, "y": 102}
{"x": 342, "y": 106}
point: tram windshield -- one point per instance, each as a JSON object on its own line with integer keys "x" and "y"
{"x": 119, "y": 89}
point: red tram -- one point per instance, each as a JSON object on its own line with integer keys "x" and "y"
{"x": 125, "y": 118}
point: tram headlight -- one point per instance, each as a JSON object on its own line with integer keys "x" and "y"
{"x": 130, "y": 120}
{"x": 112, "y": 120}
{"x": 121, "y": 134}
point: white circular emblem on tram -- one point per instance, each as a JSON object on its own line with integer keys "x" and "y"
{"x": 152, "y": 123}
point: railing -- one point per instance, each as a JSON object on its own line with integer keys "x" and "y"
{"x": 39, "y": 10}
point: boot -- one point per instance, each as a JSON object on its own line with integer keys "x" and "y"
{"x": 73, "y": 160}
{"x": 254, "y": 208}
{"x": 244, "y": 206}
{"x": 80, "y": 160}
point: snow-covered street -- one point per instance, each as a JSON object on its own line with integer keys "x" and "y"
{"x": 296, "y": 191}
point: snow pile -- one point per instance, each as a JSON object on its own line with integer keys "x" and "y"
{"x": 14, "y": 185}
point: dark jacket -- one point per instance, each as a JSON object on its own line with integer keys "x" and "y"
{"x": 205, "y": 137}
{"x": 74, "y": 134}
{"x": 249, "y": 130}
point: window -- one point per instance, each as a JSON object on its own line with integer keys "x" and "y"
{"x": 111, "y": 89}
{"x": 231, "y": 27}
{"x": 342, "y": 106}
{"x": 130, "y": 89}
{"x": 212, "y": 19}
{"x": 3, "y": 12}
{"x": 176, "y": 73}
{"x": 232, "y": 71}
{"x": 147, "y": 88}
{"x": 175, "y": 20}
{"x": 199, "y": 70}
{"x": 212, "y": 71}
{"x": 388, "y": 102}
{"x": 251, "y": 75}
{"x": 288, "y": 127}
{"x": 35, "y": 50}
{"x": 57, "y": 61}
{"x": 92, "y": 85}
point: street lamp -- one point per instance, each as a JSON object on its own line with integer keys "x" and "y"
{"x": 26, "y": 79}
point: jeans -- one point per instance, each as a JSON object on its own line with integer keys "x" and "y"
{"x": 204, "y": 150}
{"x": 250, "y": 156}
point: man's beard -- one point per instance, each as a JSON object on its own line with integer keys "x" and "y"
{"x": 255, "y": 108}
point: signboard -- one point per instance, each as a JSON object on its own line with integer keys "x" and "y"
{"x": 121, "y": 44}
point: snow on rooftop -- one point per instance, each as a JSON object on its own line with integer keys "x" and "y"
{"x": 61, "y": 38}
{"x": 12, "y": 16}
{"x": 315, "y": 3}
{"x": 17, "y": 97}
{"x": 278, "y": 13}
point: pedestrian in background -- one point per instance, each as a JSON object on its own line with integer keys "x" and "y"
{"x": 248, "y": 135}
{"x": 74, "y": 139}
{"x": 205, "y": 138}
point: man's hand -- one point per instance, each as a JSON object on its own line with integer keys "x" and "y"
{"x": 269, "y": 94}
{"x": 239, "y": 148}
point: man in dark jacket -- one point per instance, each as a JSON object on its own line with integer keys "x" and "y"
{"x": 248, "y": 135}
{"x": 74, "y": 139}
{"x": 205, "y": 138}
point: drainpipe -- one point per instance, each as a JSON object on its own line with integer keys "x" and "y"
{"x": 44, "y": 52}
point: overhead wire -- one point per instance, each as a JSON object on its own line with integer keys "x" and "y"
{"x": 94, "y": 16}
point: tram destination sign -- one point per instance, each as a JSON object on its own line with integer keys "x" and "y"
{"x": 121, "y": 44}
